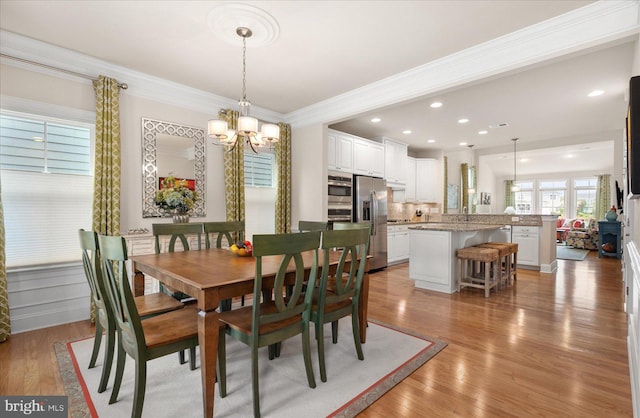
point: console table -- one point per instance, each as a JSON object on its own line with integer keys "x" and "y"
{"x": 610, "y": 232}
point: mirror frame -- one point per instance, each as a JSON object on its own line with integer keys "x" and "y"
{"x": 150, "y": 130}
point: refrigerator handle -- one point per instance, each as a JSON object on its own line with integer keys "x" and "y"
{"x": 374, "y": 214}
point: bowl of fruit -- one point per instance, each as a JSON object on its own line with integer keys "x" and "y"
{"x": 242, "y": 248}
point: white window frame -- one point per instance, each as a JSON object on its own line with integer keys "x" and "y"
{"x": 32, "y": 244}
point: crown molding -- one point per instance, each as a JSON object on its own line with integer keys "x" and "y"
{"x": 587, "y": 27}
{"x": 140, "y": 84}
{"x": 593, "y": 25}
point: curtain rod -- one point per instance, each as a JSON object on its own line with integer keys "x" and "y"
{"x": 123, "y": 86}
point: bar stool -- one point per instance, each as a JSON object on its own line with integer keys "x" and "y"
{"x": 467, "y": 274}
{"x": 509, "y": 253}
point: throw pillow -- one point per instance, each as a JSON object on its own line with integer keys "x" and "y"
{"x": 578, "y": 223}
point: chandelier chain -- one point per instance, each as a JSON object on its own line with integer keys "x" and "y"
{"x": 244, "y": 68}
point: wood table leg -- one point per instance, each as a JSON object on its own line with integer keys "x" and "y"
{"x": 208, "y": 343}
{"x": 138, "y": 283}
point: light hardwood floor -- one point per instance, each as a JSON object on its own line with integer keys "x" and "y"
{"x": 552, "y": 345}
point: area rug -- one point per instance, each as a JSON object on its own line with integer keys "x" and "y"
{"x": 569, "y": 253}
{"x": 173, "y": 390}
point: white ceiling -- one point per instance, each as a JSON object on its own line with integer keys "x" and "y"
{"x": 327, "y": 48}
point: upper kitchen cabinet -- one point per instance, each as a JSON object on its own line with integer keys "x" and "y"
{"x": 368, "y": 158}
{"x": 395, "y": 163}
{"x": 410, "y": 187}
{"x": 427, "y": 180}
{"x": 340, "y": 151}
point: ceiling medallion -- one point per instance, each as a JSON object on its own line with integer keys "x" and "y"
{"x": 225, "y": 19}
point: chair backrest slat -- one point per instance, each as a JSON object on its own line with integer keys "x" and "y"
{"x": 113, "y": 253}
{"x": 291, "y": 248}
{"x": 306, "y": 226}
{"x": 93, "y": 270}
{"x": 177, "y": 232}
{"x": 232, "y": 231}
{"x": 352, "y": 242}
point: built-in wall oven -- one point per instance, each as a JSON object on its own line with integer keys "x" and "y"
{"x": 339, "y": 197}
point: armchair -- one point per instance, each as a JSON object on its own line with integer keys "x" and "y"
{"x": 584, "y": 238}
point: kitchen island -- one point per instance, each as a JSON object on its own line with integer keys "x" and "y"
{"x": 432, "y": 257}
{"x": 432, "y": 261}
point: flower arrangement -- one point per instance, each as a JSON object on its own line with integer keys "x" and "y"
{"x": 175, "y": 196}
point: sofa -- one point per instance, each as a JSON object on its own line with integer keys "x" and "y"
{"x": 585, "y": 238}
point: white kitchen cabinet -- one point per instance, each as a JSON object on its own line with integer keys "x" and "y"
{"x": 368, "y": 158}
{"x": 527, "y": 238}
{"x": 410, "y": 187}
{"x": 395, "y": 163}
{"x": 340, "y": 152}
{"x": 397, "y": 243}
{"x": 427, "y": 179}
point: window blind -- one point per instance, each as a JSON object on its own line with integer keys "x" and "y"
{"x": 258, "y": 169}
{"x": 42, "y": 215}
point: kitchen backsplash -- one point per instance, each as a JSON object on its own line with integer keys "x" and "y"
{"x": 404, "y": 211}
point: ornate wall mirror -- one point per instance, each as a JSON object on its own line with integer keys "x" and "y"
{"x": 171, "y": 149}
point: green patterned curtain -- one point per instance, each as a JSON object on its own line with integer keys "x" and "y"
{"x": 464, "y": 179}
{"x": 5, "y": 320}
{"x": 106, "y": 176}
{"x": 233, "y": 172}
{"x": 106, "y": 183}
{"x": 283, "y": 185}
{"x": 603, "y": 196}
{"x": 445, "y": 199}
{"x": 509, "y": 195}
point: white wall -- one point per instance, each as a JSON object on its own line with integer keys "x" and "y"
{"x": 309, "y": 174}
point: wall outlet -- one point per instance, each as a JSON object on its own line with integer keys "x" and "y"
{"x": 515, "y": 219}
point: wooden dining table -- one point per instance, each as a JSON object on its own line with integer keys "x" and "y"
{"x": 213, "y": 275}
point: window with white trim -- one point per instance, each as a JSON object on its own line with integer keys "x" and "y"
{"x": 524, "y": 198}
{"x": 259, "y": 169}
{"x": 552, "y": 197}
{"x": 46, "y": 170}
{"x": 585, "y": 197}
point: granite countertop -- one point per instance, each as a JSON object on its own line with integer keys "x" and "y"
{"x": 454, "y": 227}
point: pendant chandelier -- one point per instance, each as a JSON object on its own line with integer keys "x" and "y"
{"x": 514, "y": 187}
{"x": 219, "y": 131}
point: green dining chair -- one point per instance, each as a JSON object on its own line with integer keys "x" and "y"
{"x": 338, "y": 294}
{"x": 175, "y": 233}
{"x": 147, "y": 305}
{"x": 270, "y": 322}
{"x": 146, "y": 340}
{"x": 306, "y": 226}
{"x": 232, "y": 232}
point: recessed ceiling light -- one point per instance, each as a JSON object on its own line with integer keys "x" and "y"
{"x": 462, "y": 144}
{"x": 568, "y": 156}
{"x": 483, "y": 132}
{"x": 436, "y": 105}
{"x": 375, "y": 120}
{"x": 595, "y": 93}
{"x": 406, "y": 131}
{"x": 524, "y": 160}
{"x": 463, "y": 120}
{"x": 431, "y": 141}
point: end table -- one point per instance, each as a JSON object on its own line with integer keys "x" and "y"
{"x": 610, "y": 232}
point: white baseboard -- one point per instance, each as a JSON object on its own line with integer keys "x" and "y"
{"x": 549, "y": 268}
{"x": 40, "y": 320}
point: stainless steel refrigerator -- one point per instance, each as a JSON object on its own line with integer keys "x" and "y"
{"x": 370, "y": 205}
